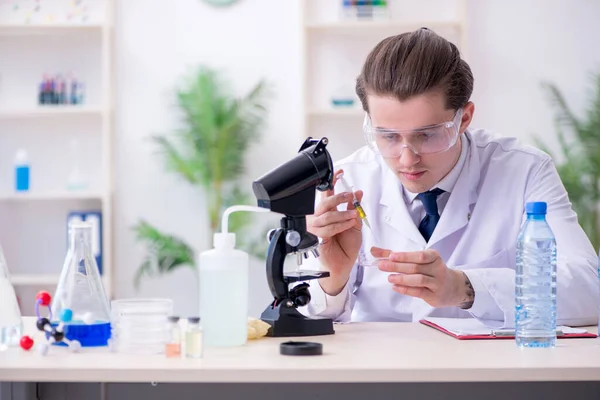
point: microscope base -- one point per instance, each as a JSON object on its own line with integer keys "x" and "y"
{"x": 287, "y": 322}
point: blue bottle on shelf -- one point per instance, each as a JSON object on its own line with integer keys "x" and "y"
{"x": 21, "y": 171}
{"x": 535, "y": 289}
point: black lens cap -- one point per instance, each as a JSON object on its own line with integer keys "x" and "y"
{"x": 301, "y": 349}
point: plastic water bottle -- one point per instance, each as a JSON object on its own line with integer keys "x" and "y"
{"x": 535, "y": 292}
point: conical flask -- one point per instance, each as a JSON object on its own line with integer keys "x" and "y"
{"x": 11, "y": 324}
{"x": 80, "y": 292}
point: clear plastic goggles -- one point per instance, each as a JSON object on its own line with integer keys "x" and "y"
{"x": 389, "y": 143}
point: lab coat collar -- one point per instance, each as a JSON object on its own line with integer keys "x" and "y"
{"x": 449, "y": 181}
{"x": 457, "y": 211}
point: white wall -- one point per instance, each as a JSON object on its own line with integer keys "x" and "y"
{"x": 513, "y": 45}
{"x": 155, "y": 45}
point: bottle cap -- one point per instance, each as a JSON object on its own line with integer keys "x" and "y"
{"x": 173, "y": 318}
{"x": 224, "y": 240}
{"x": 536, "y": 207}
{"x": 194, "y": 320}
{"x": 301, "y": 348}
{"x": 21, "y": 157}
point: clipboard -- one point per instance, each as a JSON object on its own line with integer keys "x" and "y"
{"x": 473, "y": 329}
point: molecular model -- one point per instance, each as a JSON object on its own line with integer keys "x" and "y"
{"x": 56, "y": 334}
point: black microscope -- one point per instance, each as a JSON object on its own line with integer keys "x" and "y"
{"x": 290, "y": 189}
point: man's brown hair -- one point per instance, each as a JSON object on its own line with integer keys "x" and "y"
{"x": 414, "y": 63}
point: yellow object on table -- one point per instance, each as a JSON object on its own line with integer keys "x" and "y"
{"x": 257, "y": 328}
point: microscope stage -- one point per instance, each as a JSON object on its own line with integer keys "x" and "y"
{"x": 304, "y": 275}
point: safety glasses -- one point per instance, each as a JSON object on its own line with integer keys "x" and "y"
{"x": 431, "y": 139}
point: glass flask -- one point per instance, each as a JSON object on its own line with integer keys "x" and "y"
{"x": 11, "y": 324}
{"x": 80, "y": 289}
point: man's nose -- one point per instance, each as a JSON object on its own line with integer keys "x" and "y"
{"x": 408, "y": 157}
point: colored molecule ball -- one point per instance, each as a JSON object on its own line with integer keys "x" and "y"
{"x": 74, "y": 346}
{"x": 41, "y": 323}
{"x": 66, "y": 315}
{"x": 43, "y": 297}
{"x": 57, "y": 335}
{"x": 26, "y": 343}
{"x": 43, "y": 348}
{"x": 88, "y": 318}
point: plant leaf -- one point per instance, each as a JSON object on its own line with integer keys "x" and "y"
{"x": 580, "y": 170}
{"x": 164, "y": 253}
{"x": 207, "y": 151}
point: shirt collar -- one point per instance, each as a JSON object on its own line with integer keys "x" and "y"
{"x": 448, "y": 182}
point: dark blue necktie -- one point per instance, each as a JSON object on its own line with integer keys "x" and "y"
{"x": 432, "y": 216}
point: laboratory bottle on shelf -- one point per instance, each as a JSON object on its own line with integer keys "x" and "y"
{"x": 535, "y": 289}
{"x": 194, "y": 339}
{"x": 11, "y": 324}
{"x": 343, "y": 97}
{"x": 80, "y": 289}
{"x": 348, "y": 10}
{"x": 22, "y": 171}
{"x": 76, "y": 180}
{"x": 173, "y": 345}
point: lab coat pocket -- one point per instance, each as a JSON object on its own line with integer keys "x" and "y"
{"x": 498, "y": 260}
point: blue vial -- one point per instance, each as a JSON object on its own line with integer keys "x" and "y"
{"x": 21, "y": 171}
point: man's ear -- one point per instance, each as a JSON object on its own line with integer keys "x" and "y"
{"x": 467, "y": 117}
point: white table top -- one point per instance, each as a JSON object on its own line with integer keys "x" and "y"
{"x": 357, "y": 352}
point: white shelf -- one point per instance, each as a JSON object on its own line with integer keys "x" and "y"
{"x": 333, "y": 52}
{"x": 362, "y": 27}
{"x": 34, "y": 279}
{"x": 336, "y": 112}
{"x": 95, "y": 118}
{"x": 62, "y": 195}
{"x": 51, "y": 111}
{"x": 47, "y": 29}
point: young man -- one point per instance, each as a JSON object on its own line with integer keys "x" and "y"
{"x": 445, "y": 203}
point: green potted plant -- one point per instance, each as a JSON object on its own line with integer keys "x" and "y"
{"x": 208, "y": 153}
{"x": 579, "y": 143}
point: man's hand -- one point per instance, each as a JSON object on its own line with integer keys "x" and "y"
{"x": 424, "y": 274}
{"x": 341, "y": 236}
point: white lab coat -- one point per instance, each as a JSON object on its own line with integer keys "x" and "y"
{"x": 477, "y": 233}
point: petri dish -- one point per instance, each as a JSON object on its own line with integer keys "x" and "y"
{"x": 139, "y": 326}
{"x": 367, "y": 260}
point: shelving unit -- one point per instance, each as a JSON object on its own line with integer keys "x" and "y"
{"x": 370, "y": 27}
{"x": 34, "y": 279}
{"x": 35, "y": 238}
{"x": 48, "y": 29}
{"x": 50, "y": 111}
{"x": 51, "y": 196}
{"x": 334, "y": 50}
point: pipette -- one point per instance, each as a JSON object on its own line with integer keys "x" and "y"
{"x": 355, "y": 202}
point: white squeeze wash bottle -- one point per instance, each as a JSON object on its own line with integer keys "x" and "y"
{"x": 224, "y": 288}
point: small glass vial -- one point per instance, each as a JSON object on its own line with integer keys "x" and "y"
{"x": 173, "y": 345}
{"x": 194, "y": 339}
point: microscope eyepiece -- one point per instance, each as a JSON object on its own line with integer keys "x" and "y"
{"x": 290, "y": 188}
